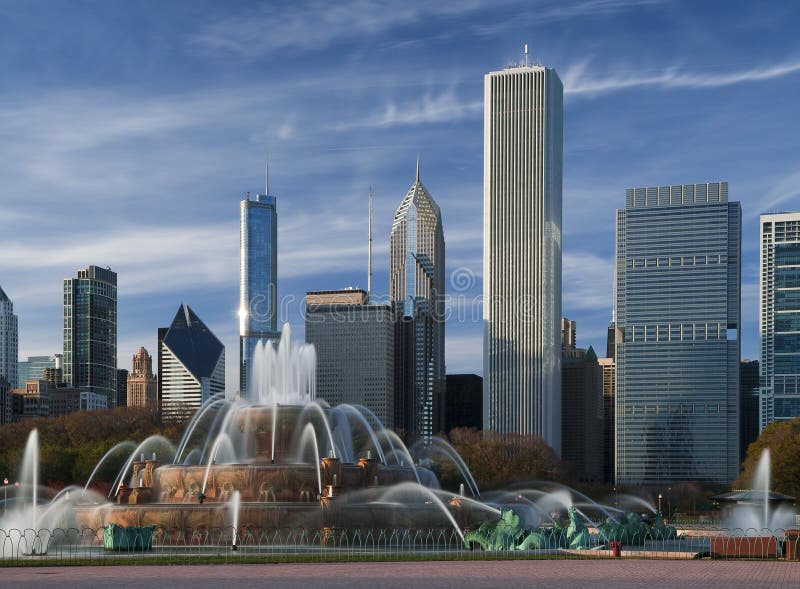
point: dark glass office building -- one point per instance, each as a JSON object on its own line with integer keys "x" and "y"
{"x": 677, "y": 312}
{"x": 90, "y": 331}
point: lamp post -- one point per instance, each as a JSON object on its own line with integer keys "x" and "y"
{"x": 659, "y": 503}
{"x": 5, "y": 495}
{"x": 669, "y": 503}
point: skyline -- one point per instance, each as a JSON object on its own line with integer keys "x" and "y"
{"x": 164, "y": 121}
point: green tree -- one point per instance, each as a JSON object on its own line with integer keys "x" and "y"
{"x": 71, "y": 445}
{"x": 783, "y": 441}
{"x": 497, "y": 460}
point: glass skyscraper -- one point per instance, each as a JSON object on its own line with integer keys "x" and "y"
{"x": 677, "y": 311}
{"x": 780, "y": 318}
{"x": 90, "y": 331}
{"x": 258, "y": 278}
{"x": 9, "y": 340}
{"x": 522, "y": 173}
{"x": 416, "y": 288}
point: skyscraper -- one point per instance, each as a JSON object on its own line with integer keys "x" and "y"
{"x": 354, "y": 341}
{"x": 191, "y": 364}
{"x": 677, "y": 310}
{"x": 582, "y": 414}
{"x": 522, "y": 141}
{"x": 416, "y": 290}
{"x": 90, "y": 331}
{"x": 258, "y": 277}
{"x": 142, "y": 388}
{"x": 609, "y": 368}
{"x": 33, "y": 368}
{"x": 780, "y": 317}
{"x": 9, "y": 340}
{"x": 748, "y": 405}
{"x": 568, "y": 334}
{"x": 121, "y": 395}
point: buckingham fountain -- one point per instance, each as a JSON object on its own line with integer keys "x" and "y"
{"x": 282, "y": 459}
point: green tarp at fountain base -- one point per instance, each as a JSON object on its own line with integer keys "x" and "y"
{"x": 124, "y": 538}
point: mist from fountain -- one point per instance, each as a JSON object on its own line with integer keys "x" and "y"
{"x": 126, "y": 445}
{"x": 309, "y": 436}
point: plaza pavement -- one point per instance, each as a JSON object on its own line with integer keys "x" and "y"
{"x": 553, "y": 574}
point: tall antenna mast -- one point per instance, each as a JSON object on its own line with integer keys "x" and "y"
{"x": 526, "y": 55}
{"x": 369, "y": 255}
{"x": 266, "y": 173}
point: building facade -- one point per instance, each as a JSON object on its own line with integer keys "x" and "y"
{"x": 258, "y": 278}
{"x": 142, "y": 385}
{"x": 677, "y": 312}
{"x": 464, "y": 401}
{"x": 121, "y": 396}
{"x": 9, "y": 340}
{"x": 609, "y": 368}
{"x": 416, "y": 291}
{"x": 522, "y": 169}
{"x": 748, "y": 405}
{"x": 191, "y": 365}
{"x": 779, "y": 317}
{"x": 5, "y": 401}
{"x": 354, "y": 342}
{"x": 34, "y": 368}
{"x": 569, "y": 334}
{"x": 582, "y": 439}
{"x": 90, "y": 331}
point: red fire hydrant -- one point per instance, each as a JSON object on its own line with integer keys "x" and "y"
{"x": 616, "y": 548}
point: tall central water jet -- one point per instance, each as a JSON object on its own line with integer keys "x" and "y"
{"x": 761, "y": 482}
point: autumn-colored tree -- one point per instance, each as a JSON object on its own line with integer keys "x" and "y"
{"x": 783, "y": 441}
{"x": 71, "y": 445}
{"x": 497, "y": 460}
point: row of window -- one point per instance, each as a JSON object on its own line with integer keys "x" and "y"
{"x": 665, "y": 332}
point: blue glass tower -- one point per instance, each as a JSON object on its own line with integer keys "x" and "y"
{"x": 258, "y": 277}
{"x": 677, "y": 311}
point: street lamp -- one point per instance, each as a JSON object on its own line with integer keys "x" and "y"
{"x": 659, "y": 503}
{"x": 5, "y": 495}
{"x": 669, "y": 503}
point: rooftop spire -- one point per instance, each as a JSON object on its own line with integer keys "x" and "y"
{"x": 266, "y": 174}
{"x": 417, "y": 167}
{"x": 369, "y": 258}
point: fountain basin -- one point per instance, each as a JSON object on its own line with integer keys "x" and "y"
{"x": 744, "y": 547}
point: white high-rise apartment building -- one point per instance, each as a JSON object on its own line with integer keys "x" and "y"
{"x": 779, "y": 313}
{"x": 523, "y": 125}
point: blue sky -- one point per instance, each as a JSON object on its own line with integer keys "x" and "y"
{"x": 129, "y": 131}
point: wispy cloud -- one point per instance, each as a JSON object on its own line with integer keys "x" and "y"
{"x": 588, "y": 282}
{"x": 312, "y": 26}
{"x": 580, "y": 79}
{"x": 441, "y": 108}
{"x": 785, "y": 190}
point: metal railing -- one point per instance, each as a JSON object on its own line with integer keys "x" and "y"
{"x": 20, "y": 547}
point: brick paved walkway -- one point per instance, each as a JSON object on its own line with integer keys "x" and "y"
{"x": 553, "y": 574}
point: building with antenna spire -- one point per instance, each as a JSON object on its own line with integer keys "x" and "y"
{"x": 416, "y": 290}
{"x": 258, "y": 276}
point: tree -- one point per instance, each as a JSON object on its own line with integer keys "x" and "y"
{"x": 783, "y": 441}
{"x": 71, "y": 445}
{"x": 499, "y": 459}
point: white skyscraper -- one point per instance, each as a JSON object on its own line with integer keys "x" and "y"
{"x": 780, "y": 317}
{"x": 9, "y": 340}
{"x": 523, "y": 121}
